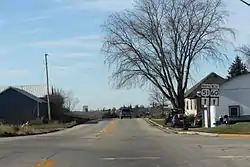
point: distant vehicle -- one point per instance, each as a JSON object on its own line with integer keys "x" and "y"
{"x": 125, "y": 113}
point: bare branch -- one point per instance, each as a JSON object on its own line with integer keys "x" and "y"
{"x": 157, "y": 97}
{"x": 71, "y": 102}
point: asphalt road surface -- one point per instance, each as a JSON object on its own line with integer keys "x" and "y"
{"x": 123, "y": 143}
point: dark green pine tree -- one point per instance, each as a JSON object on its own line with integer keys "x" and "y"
{"x": 237, "y": 68}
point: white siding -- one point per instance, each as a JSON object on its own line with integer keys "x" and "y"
{"x": 190, "y": 106}
{"x": 235, "y": 92}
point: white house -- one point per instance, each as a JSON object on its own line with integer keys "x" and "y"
{"x": 234, "y": 98}
{"x": 192, "y": 102}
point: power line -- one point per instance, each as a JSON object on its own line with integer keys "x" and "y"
{"x": 245, "y": 2}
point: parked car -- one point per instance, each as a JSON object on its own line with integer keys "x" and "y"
{"x": 198, "y": 120}
{"x": 125, "y": 113}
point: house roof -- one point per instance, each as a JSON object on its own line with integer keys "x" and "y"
{"x": 36, "y": 90}
{"x": 25, "y": 93}
{"x": 210, "y": 78}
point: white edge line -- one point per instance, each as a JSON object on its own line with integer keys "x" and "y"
{"x": 130, "y": 158}
{"x": 232, "y": 157}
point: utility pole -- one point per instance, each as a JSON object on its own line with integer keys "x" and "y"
{"x": 47, "y": 80}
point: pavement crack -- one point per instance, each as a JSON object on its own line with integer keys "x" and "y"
{"x": 50, "y": 156}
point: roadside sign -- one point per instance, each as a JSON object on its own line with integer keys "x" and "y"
{"x": 210, "y": 94}
{"x": 205, "y": 101}
{"x": 214, "y": 93}
{"x": 214, "y": 101}
{"x": 205, "y": 92}
{"x": 209, "y": 86}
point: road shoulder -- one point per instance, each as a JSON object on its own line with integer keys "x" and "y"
{"x": 166, "y": 129}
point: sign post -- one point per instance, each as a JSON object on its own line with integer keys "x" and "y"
{"x": 209, "y": 97}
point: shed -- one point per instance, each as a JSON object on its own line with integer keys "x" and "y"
{"x": 18, "y": 106}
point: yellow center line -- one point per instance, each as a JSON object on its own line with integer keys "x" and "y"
{"x": 108, "y": 128}
{"x": 50, "y": 163}
{"x": 40, "y": 163}
{"x": 45, "y": 163}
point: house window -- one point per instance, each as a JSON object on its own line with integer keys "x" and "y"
{"x": 191, "y": 104}
{"x": 187, "y": 104}
{"x": 234, "y": 111}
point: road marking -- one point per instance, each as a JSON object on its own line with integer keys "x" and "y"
{"x": 233, "y": 157}
{"x": 108, "y": 128}
{"x": 40, "y": 163}
{"x": 130, "y": 158}
{"x": 50, "y": 163}
{"x": 45, "y": 163}
{"x": 234, "y": 135}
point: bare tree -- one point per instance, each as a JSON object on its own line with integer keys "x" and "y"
{"x": 156, "y": 96}
{"x": 158, "y": 41}
{"x": 245, "y": 50}
{"x": 70, "y": 101}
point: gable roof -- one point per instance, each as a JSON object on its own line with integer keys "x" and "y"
{"x": 25, "y": 93}
{"x": 36, "y": 90}
{"x": 209, "y": 79}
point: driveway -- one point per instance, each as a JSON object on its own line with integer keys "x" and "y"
{"x": 123, "y": 143}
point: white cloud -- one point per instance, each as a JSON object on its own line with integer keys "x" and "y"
{"x": 2, "y": 22}
{"x": 4, "y": 52}
{"x": 74, "y": 41}
{"x": 33, "y": 31}
{"x": 73, "y": 55}
{"x": 61, "y": 68}
{"x": 100, "y": 5}
{"x": 239, "y": 20}
{"x": 16, "y": 72}
{"x": 32, "y": 19}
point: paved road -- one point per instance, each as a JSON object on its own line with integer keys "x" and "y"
{"x": 123, "y": 143}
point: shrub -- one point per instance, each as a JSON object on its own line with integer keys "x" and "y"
{"x": 190, "y": 118}
{"x": 16, "y": 128}
{"x": 36, "y": 122}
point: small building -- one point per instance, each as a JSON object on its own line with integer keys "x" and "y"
{"x": 234, "y": 97}
{"x": 192, "y": 101}
{"x": 18, "y": 106}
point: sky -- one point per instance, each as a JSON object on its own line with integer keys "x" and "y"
{"x": 70, "y": 32}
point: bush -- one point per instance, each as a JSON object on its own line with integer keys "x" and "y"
{"x": 16, "y": 128}
{"x": 35, "y": 122}
{"x": 109, "y": 115}
{"x": 190, "y": 118}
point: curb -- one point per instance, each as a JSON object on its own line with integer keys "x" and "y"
{"x": 197, "y": 133}
{"x": 153, "y": 122}
{"x": 165, "y": 129}
{"x": 182, "y": 132}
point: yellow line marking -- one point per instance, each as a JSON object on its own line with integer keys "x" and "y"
{"x": 45, "y": 163}
{"x": 108, "y": 128}
{"x": 50, "y": 163}
{"x": 234, "y": 135}
{"x": 40, "y": 163}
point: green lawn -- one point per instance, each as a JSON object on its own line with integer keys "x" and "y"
{"x": 159, "y": 121}
{"x": 239, "y": 128}
{"x": 52, "y": 125}
{"x": 13, "y": 130}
